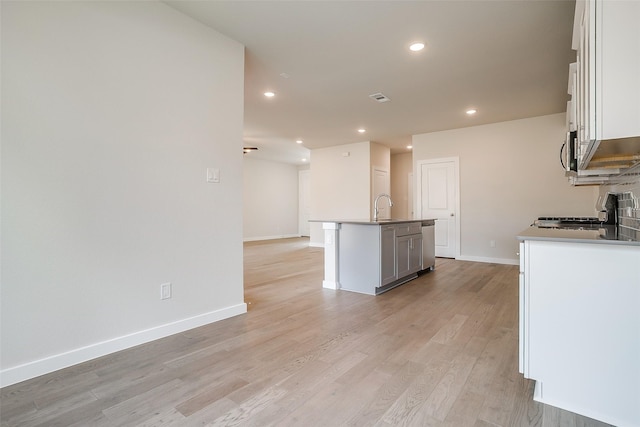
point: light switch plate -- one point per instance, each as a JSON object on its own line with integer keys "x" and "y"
{"x": 213, "y": 175}
{"x": 165, "y": 290}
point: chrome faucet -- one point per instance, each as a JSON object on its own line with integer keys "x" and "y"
{"x": 375, "y": 205}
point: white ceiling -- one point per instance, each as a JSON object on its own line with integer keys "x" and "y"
{"x": 509, "y": 59}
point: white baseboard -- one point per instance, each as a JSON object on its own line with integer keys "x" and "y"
{"x": 587, "y": 411}
{"x": 280, "y": 236}
{"x": 316, "y": 245}
{"x": 73, "y": 357}
{"x": 507, "y": 261}
{"x": 330, "y": 284}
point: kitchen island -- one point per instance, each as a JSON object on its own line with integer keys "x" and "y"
{"x": 580, "y": 321}
{"x": 372, "y": 257}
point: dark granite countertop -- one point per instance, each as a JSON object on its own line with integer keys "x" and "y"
{"x": 605, "y": 235}
{"x": 424, "y": 222}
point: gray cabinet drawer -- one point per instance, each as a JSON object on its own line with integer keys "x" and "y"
{"x": 405, "y": 229}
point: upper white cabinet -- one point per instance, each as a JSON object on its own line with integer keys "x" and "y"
{"x": 605, "y": 86}
{"x": 572, "y": 107}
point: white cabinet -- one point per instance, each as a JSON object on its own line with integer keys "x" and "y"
{"x": 580, "y": 327}
{"x": 606, "y": 87}
{"x": 572, "y": 104}
{"x": 523, "y": 312}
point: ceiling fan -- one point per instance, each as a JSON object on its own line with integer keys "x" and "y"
{"x": 246, "y": 150}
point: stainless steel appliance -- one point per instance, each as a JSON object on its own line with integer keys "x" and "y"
{"x": 607, "y": 223}
{"x": 570, "y": 158}
{"x": 428, "y": 245}
{"x": 607, "y": 216}
{"x": 571, "y": 222}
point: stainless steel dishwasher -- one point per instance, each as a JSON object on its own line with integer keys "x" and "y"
{"x": 428, "y": 245}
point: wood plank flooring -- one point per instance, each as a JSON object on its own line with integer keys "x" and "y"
{"x": 441, "y": 350}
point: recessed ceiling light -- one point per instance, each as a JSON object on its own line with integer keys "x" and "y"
{"x": 471, "y": 112}
{"x": 269, "y": 94}
{"x": 361, "y": 130}
{"x": 298, "y": 141}
{"x": 409, "y": 147}
{"x": 417, "y": 46}
{"x": 304, "y": 160}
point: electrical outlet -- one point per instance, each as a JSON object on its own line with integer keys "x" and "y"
{"x": 165, "y": 291}
{"x": 492, "y": 243}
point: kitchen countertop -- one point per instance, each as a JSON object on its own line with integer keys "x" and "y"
{"x": 379, "y": 222}
{"x": 603, "y": 235}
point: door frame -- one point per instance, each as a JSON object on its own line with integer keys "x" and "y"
{"x": 456, "y": 174}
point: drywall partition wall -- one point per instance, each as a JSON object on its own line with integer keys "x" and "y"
{"x": 380, "y": 155}
{"x": 401, "y": 167}
{"x": 510, "y": 174}
{"x": 340, "y": 185}
{"x": 380, "y": 160}
{"x": 270, "y": 199}
{"x": 111, "y": 114}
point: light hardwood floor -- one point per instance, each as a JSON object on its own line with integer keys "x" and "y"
{"x": 438, "y": 351}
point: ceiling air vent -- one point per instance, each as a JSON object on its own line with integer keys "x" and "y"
{"x": 380, "y": 97}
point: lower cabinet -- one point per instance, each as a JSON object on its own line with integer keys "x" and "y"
{"x": 388, "y": 262}
{"x": 580, "y": 327}
{"x": 375, "y": 258}
{"x": 400, "y": 252}
{"x": 409, "y": 254}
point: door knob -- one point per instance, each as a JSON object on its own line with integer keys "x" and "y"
{"x": 452, "y": 214}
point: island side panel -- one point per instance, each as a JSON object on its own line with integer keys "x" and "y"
{"x": 331, "y": 238}
{"x": 359, "y": 258}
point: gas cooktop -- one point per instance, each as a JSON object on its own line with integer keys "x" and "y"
{"x": 575, "y": 222}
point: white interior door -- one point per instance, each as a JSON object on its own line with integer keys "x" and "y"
{"x": 304, "y": 202}
{"x": 438, "y": 199}
{"x": 381, "y": 185}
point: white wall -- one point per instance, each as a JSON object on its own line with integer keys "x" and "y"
{"x": 340, "y": 185}
{"x": 380, "y": 159}
{"x": 270, "y": 199}
{"x": 111, "y": 113}
{"x": 510, "y": 174}
{"x": 380, "y": 156}
{"x": 401, "y": 166}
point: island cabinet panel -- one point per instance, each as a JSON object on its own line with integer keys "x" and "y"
{"x": 374, "y": 257}
{"x": 359, "y": 260}
{"x": 580, "y": 327}
{"x": 403, "y": 247}
{"x": 388, "y": 267}
{"x": 409, "y": 250}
